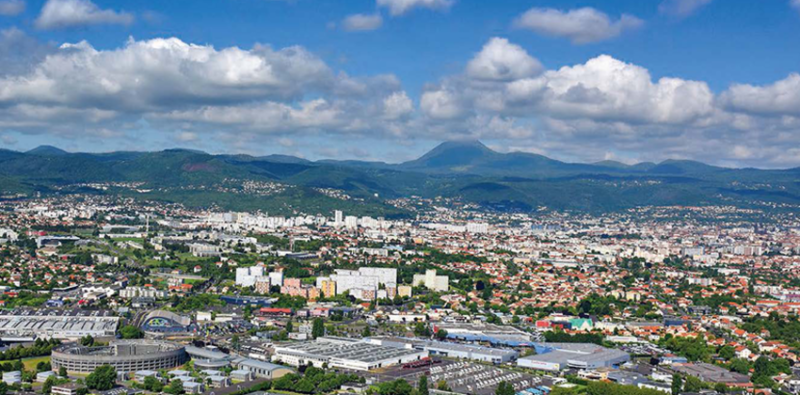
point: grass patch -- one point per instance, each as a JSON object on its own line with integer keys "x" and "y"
{"x": 30, "y": 363}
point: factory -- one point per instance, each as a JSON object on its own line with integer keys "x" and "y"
{"x": 345, "y": 354}
{"x": 20, "y": 324}
{"x": 559, "y": 356}
{"x": 453, "y": 350}
{"x": 482, "y": 332}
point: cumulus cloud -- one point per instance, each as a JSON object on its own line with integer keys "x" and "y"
{"x": 362, "y": 22}
{"x": 11, "y": 7}
{"x": 59, "y": 14}
{"x": 779, "y": 98}
{"x": 173, "y": 85}
{"x": 19, "y": 51}
{"x": 605, "y": 88}
{"x": 581, "y": 26}
{"x": 441, "y": 104}
{"x": 148, "y": 74}
{"x": 682, "y": 8}
{"x": 402, "y": 7}
{"x": 500, "y": 60}
{"x": 397, "y": 105}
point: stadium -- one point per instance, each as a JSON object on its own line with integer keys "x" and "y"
{"x": 123, "y": 355}
{"x": 159, "y": 322}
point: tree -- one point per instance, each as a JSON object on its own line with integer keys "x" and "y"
{"x": 677, "y": 384}
{"x": 727, "y": 353}
{"x": 441, "y": 334}
{"x": 236, "y": 342}
{"x": 693, "y": 384}
{"x": 721, "y": 388}
{"x": 366, "y": 332}
{"x": 175, "y": 387}
{"x": 48, "y": 385}
{"x": 442, "y": 386}
{"x": 318, "y": 328}
{"x": 504, "y": 388}
{"x": 87, "y": 341}
{"x": 289, "y": 326}
{"x": 153, "y": 384}
{"x": 305, "y": 386}
{"x": 422, "y": 387}
{"x": 62, "y": 371}
{"x": 103, "y": 378}
{"x": 130, "y": 332}
{"x": 422, "y": 330}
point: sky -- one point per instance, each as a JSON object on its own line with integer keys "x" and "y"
{"x": 581, "y": 81}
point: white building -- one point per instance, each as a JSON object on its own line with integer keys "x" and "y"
{"x": 431, "y": 281}
{"x": 247, "y": 276}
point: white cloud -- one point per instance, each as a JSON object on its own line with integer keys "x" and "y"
{"x": 397, "y": 105}
{"x": 12, "y": 7}
{"x": 605, "y": 88}
{"x": 58, "y": 14}
{"x": 362, "y": 22}
{"x": 581, "y": 26}
{"x": 401, "y": 7}
{"x": 500, "y": 60}
{"x": 18, "y": 51}
{"x": 779, "y": 98}
{"x": 441, "y": 104}
{"x": 148, "y": 74}
{"x": 795, "y": 4}
{"x": 682, "y": 8}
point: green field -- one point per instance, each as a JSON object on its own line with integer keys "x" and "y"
{"x": 30, "y": 363}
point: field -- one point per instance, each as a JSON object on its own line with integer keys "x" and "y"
{"x": 30, "y": 363}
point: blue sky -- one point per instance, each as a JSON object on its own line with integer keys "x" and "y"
{"x": 407, "y": 75}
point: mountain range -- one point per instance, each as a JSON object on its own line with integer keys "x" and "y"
{"x": 467, "y": 171}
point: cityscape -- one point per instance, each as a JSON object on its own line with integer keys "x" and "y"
{"x": 400, "y": 197}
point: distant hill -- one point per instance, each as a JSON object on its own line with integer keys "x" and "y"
{"x": 467, "y": 170}
{"x": 47, "y": 150}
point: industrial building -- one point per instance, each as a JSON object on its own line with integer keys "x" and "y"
{"x": 345, "y": 353}
{"x": 27, "y": 324}
{"x": 123, "y": 355}
{"x": 452, "y": 350}
{"x": 558, "y": 356}
{"x": 494, "y": 334}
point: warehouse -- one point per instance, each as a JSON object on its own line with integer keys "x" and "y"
{"x": 344, "y": 353}
{"x": 452, "y": 350}
{"x": 59, "y": 325}
{"x": 558, "y": 356}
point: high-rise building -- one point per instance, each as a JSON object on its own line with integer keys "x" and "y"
{"x": 431, "y": 281}
{"x": 247, "y": 276}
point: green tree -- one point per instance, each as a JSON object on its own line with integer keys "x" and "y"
{"x": 366, "y": 332}
{"x": 441, "y": 334}
{"x": 175, "y": 387}
{"x": 442, "y": 386}
{"x": 62, "y": 371}
{"x": 504, "y": 388}
{"x": 48, "y": 385}
{"x": 727, "y": 353}
{"x": 677, "y": 384}
{"x": 130, "y": 332}
{"x": 153, "y": 384}
{"x": 693, "y": 384}
{"x": 102, "y": 379}
{"x": 422, "y": 386}
{"x": 318, "y": 328}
